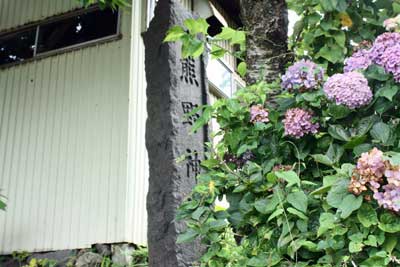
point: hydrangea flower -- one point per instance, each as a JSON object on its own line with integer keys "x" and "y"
{"x": 391, "y": 61}
{"x": 304, "y": 75}
{"x": 360, "y": 60}
{"x": 371, "y": 164}
{"x": 298, "y": 122}
{"x": 381, "y": 44}
{"x": 389, "y": 198}
{"x": 258, "y": 114}
{"x": 368, "y": 172}
{"x": 350, "y": 89}
{"x": 392, "y": 23}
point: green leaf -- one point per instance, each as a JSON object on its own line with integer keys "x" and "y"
{"x": 376, "y": 72}
{"x": 349, "y": 204}
{"x": 289, "y": 176}
{"x": 367, "y": 215}
{"x": 390, "y": 242}
{"x": 187, "y": 236}
{"x": 198, "y": 212}
{"x": 323, "y": 159}
{"x": 297, "y": 213}
{"x": 275, "y": 214}
{"x": 196, "y": 26}
{"x": 242, "y": 68}
{"x": 192, "y": 47}
{"x": 328, "y": 5}
{"x": 355, "y": 247}
{"x": 381, "y": 132}
{"x": 326, "y": 222}
{"x": 337, "y": 193}
{"x": 388, "y": 91}
{"x": 298, "y": 200}
{"x": 174, "y": 34}
{"x": 335, "y": 152}
{"x": 266, "y": 206}
{"x": 389, "y": 223}
{"x": 258, "y": 261}
{"x": 338, "y": 111}
{"x": 217, "y": 224}
{"x": 338, "y": 132}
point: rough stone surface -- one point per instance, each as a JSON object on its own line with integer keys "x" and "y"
{"x": 175, "y": 87}
{"x": 122, "y": 254}
{"x": 103, "y": 249}
{"x": 266, "y": 22}
{"x": 89, "y": 259}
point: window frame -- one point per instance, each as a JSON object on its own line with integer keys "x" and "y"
{"x": 70, "y": 14}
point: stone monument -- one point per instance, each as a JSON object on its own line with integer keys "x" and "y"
{"x": 175, "y": 86}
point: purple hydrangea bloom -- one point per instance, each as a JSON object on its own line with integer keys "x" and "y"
{"x": 389, "y": 198}
{"x": 350, "y": 89}
{"x": 360, "y": 60}
{"x": 381, "y": 44}
{"x": 304, "y": 75}
{"x": 298, "y": 123}
{"x": 391, "y": 61}
{"x": 258, "y": 114}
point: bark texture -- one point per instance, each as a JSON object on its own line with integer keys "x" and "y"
{"x": 266, "y": 22}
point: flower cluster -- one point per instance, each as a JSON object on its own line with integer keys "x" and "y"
{"x": 381, "y": 44}
{"x": 258, "y": 114}
{"x": 392, "y": 24}
{"x": 360, "y": 60}
{"x": 298, "y": 122}
{"x": 350, "y": 89}
{"x": 304, "y": 76}
{"x": 379, "y": 176}
{"x": 369, "y": 172}
{"x": 391, "y": 61}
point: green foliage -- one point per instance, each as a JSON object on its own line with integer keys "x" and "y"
{"x": 329, "y": 28}
{"x": 289, "y": 204}
{"x": 114, "y": 4}
{"x": 195, "y": 41}
{"x": 3, "y": 205}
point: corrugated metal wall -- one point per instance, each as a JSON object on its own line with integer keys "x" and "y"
{"x": 64, "y": 140}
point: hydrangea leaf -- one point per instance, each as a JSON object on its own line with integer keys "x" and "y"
{"x": 349, "y": 204}
{"x": 389, "y": 223}
{"x": 298, "y": 200}
{"x": 367, "y": 215}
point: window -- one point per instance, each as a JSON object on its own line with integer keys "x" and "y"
{"x": 57, "y": 33}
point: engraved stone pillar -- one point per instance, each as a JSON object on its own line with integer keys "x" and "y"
{"x": 175, "y": 86}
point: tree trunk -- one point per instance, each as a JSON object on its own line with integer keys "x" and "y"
{"x": 266, "y": 22}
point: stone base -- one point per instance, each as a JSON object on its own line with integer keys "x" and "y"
{"x": 116, "y": 255}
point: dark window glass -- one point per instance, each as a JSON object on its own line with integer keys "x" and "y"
{"x": 79, "y": 29}
{"x": 17, "y": 47}
{"x": 215, "y": 26}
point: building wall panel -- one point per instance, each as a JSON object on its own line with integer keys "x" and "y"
{"x": 64, "y": 135}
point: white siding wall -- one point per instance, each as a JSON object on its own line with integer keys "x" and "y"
{"x": 64, "y": 140}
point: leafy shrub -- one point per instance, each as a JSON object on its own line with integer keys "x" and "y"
{"x": 312, "y": 178}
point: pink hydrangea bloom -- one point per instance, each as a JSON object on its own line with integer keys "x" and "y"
{"x": 298, "y": 122}
{"x": 360, "y": 60}
{"x": 391, "y": 61}
{"x": 350, "y": 89}
{"x": 381, "y": 44}
{"x": 258, "y": 114}
{"x": 371, "y": 164}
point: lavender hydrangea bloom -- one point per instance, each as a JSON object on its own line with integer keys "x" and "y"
{"x": 389, "y": 198}
{"x": 360, "y": 60}
{"x": 381, "y": 44}
{"x": 304, "y": 75}
{"x": 350, "y": 89}
{"x": 391, "y": 61}
{"x": 258, "y": 114}
{"x": 298, "y": 123}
